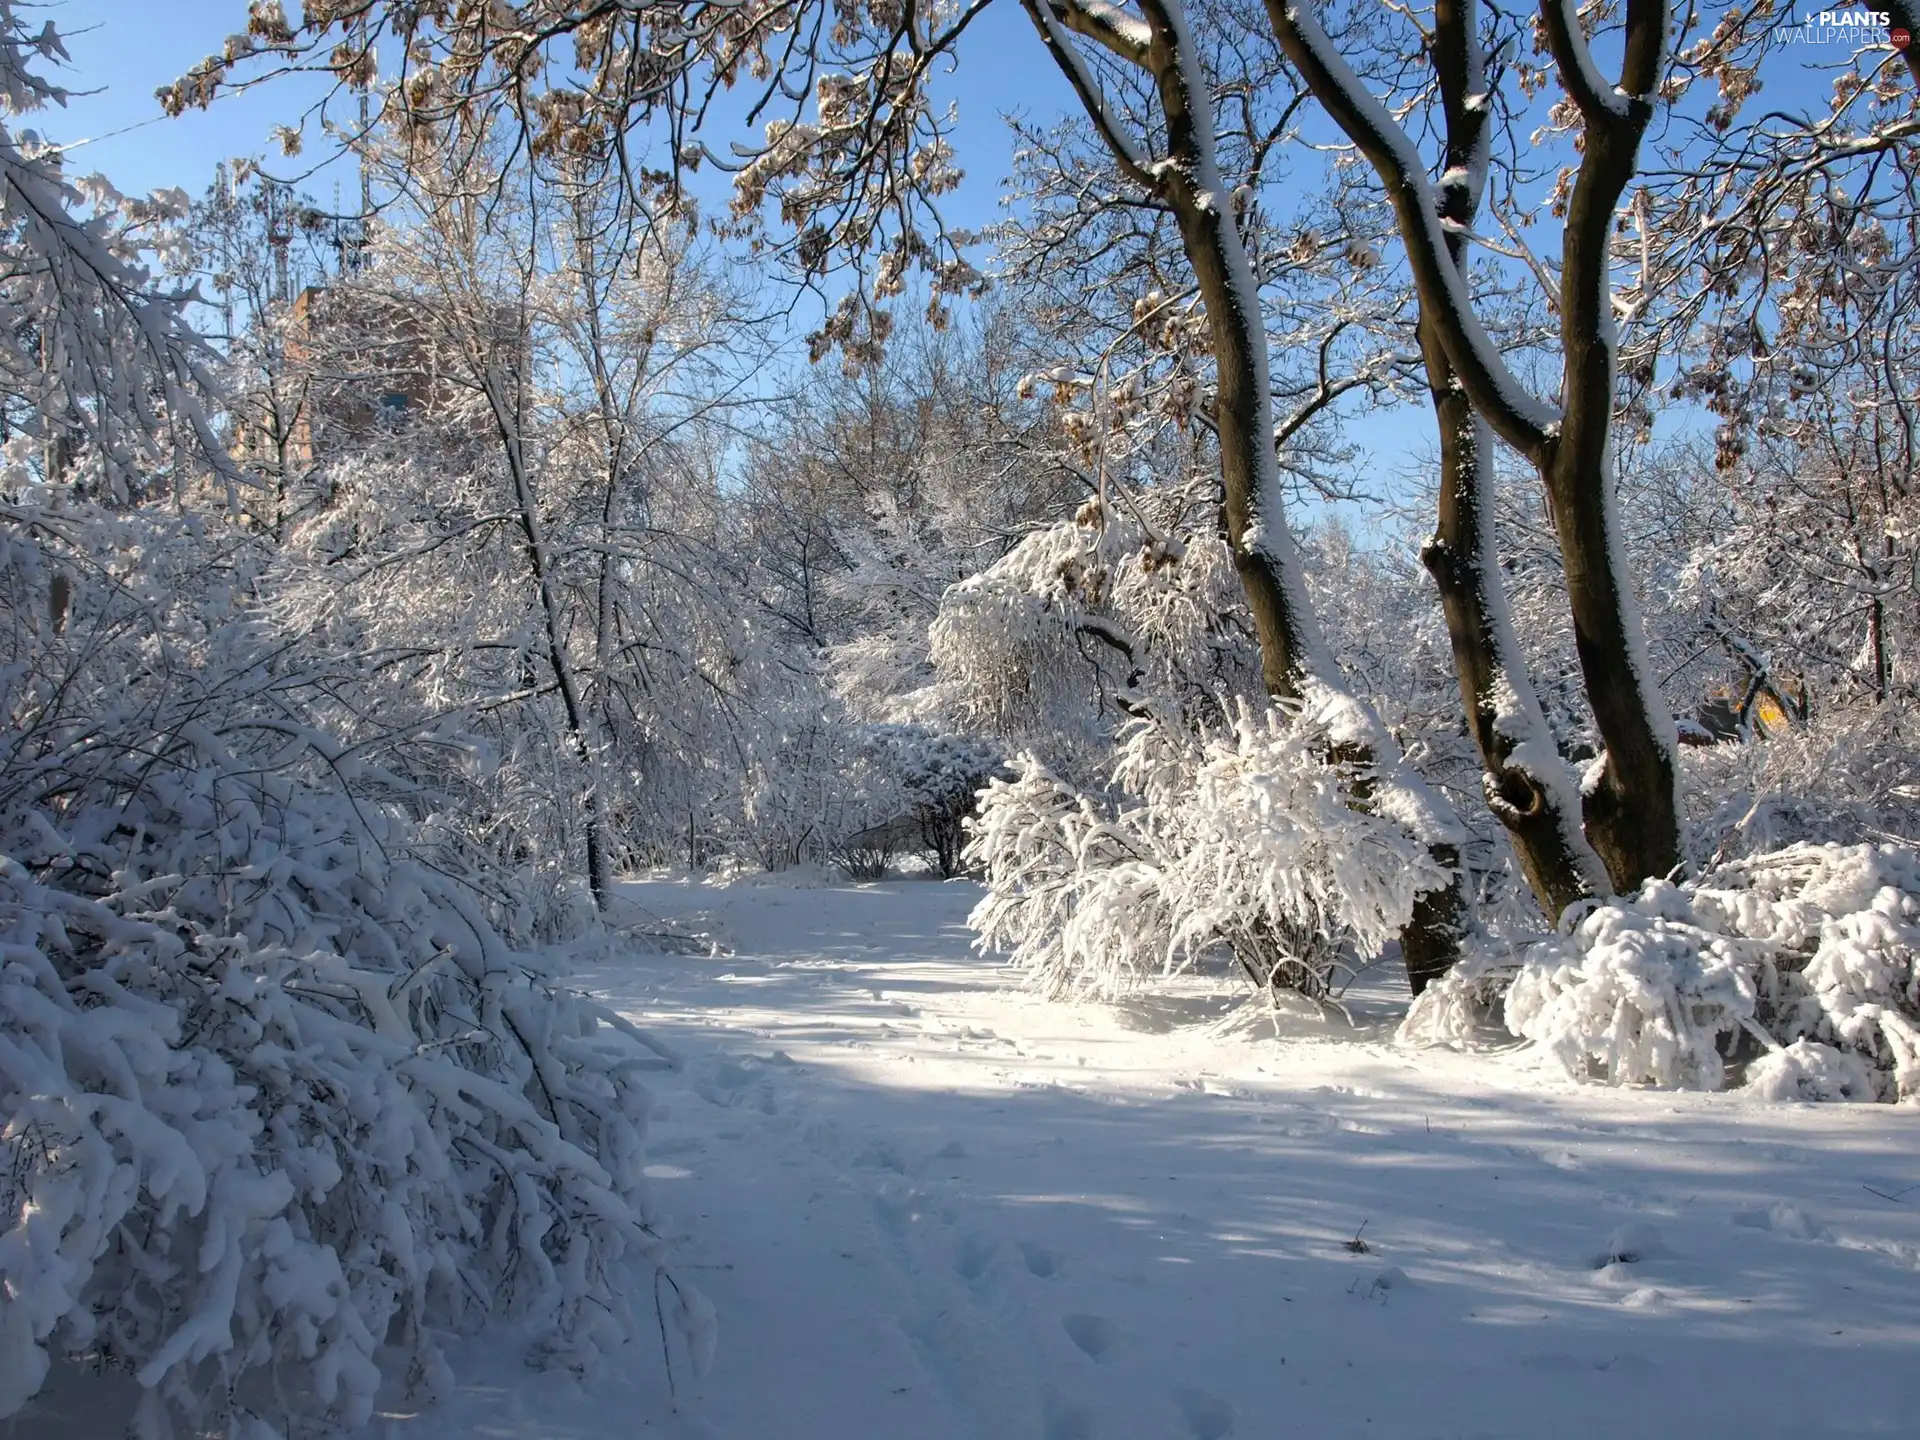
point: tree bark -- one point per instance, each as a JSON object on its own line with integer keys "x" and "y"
{"x": 1541, "y": 818}
{"x": 503, "y": 396}
{"x": 1632, "y": 809}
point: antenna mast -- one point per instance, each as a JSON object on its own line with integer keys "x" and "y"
{"x": 363, "y": 224}
{"x": 366, "y": 124}
{"x": 280, "y": 238}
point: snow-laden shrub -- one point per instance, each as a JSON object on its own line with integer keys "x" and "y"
{"x": 1029, "y": 647}
{"x": 281, "y": 1106}
{"x": 1463, "y": 1008}
{"x": 1808, "y": 1070}
{"x": 857, "y": 795}
{"x": 805, "y": 793}
{"x": 1842, "y": 775}
{"x": 937, "y": 778}
{"x": 1637, "y": 993}
{"x": 1076, "y": 887}
{"x": 1809, "y": 955}
{"x": 1248, "y": 843}
{"x": 1056, "y": 642}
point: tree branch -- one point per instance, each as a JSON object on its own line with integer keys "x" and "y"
{"x": 1522, "y": 419}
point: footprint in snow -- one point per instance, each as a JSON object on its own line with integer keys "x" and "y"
{"x": 1632, "y": 1244}
{"x": 822, "y": 1135}
{"x": 731, "y": 1074}
{"x": 899, "y": 1210}
{"x": 973, "y": 1257}
{"x": 896, "y": 1212}
{"x": 1782, "y": 1219}
{"x": 1627, "y": 1362}
{"x": 1557, "y": 1361}
{"x": 1063, "y": 1420}
{"x": 1042, "y": 1263}
{"x": 729, "y": 1083}
{"x": 881, "y": 1155}
{"x": 1208, "y": 1417}
{"x": 1309, "y": 1127}
{"x": 1094, "y": 1334}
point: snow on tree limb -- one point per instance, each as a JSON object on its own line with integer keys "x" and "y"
{"x": 1524, "y": 421}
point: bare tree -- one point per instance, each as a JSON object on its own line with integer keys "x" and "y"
{"x": 562, "y": 369}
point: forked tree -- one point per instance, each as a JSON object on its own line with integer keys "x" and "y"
{"x": 1629, "y": 806}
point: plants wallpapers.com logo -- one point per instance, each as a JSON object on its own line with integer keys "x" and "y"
{"x": 1849, "y": 27}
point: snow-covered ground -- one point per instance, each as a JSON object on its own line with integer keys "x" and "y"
{"x": 927, "y": 1206}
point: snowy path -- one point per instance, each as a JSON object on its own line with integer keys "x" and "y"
{"x": 927, "y": 1207}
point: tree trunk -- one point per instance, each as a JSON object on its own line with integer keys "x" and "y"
{"x": 1540, "y": 813}
{"x": 1630, "y": 810}
{"x": 503, "y": 399}
{"x": 1528, "y": 787}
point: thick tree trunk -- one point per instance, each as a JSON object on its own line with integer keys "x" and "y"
{"x": 1528, "y": 787}
{"x": 1541, "y": 813}
{"x": 1631, "y": 810}
{"x": 1243, "y": 427}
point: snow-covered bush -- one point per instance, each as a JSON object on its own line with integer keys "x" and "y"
{"x": 1637, "y": 993}
{"x": 1808, "y": 1070}
{"x": 1255, "y": 843}
{"x": 1029, "y": 648}
{"x": 282, "y": 1105}
{"x": 1076, "y": 887}
{"x": 1842, "y": 774}
{"x": 1053, "y": 645}
{"x": 832, "y": 790}
{"x": 1809, "y": 956}
{"x": 937, "y": 778}
{"x": 801, "y": 794}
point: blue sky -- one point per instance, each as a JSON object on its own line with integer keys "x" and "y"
{"x": 123, "y": 50}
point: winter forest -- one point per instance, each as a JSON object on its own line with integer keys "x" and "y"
{"x": 656, "y": 777}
